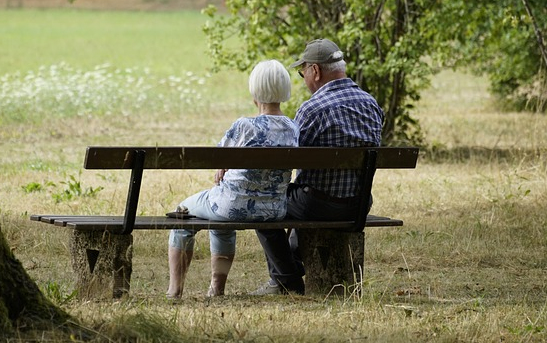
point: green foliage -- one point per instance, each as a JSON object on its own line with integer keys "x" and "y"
{"x": 74, "y": 189}
{"x": 56, "y": 293}
{"x": 497, "y": 38}
{"x": 384, "y": 46}
{"x": 392, "y": 47}
{"x": 32, "y": 187}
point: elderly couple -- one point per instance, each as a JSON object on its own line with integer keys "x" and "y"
{"x": 338, "y": 113}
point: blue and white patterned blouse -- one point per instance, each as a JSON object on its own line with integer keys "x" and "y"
{"x": 255, "y": 194}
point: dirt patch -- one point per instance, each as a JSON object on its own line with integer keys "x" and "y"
{"x": 135, "y": 5}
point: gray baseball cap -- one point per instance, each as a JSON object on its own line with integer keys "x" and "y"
{"x": 320, "y": 51}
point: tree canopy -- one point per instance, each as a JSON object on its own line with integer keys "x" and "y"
{"x": 392, "y": 47}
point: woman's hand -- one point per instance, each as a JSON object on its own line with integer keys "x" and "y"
{"x": 219, "y": 175}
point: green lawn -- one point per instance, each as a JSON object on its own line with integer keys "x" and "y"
{"x": 169, "y": 43}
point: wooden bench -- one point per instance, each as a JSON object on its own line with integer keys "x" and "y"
{"x": 101, "y": 246}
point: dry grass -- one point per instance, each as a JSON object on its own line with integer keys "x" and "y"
{"x": 469, "y": 265}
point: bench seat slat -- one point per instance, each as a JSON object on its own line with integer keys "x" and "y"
{"x": 115, "y": 223}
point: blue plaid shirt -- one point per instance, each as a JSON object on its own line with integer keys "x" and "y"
{"x": 338, "y": 114}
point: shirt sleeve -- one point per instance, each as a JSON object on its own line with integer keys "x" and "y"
{"x": 237, "y": 134}
{"x": 233, "y": 136}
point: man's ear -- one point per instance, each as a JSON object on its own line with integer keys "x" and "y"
{"x": 317, "y": 72}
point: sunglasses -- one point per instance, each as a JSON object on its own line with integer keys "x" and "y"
{"x": 301, "y": 71}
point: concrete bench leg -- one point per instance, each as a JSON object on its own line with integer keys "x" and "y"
{"x": 102, "y": 263}
{"x": 332, "y": 258}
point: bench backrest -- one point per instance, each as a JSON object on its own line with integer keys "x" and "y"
{"x": 248, "y": 158}
{"x": 366, "y": 159}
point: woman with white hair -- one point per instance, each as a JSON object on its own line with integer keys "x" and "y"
{"x": 240, "y": 194}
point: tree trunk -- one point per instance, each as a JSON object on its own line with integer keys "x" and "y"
{"x": 23, "y": 308}
{"x": 333, "y": 260}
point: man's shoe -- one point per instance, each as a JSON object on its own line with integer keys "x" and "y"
{"x": 296, "y": 286}
{"x": 267, "y": 288}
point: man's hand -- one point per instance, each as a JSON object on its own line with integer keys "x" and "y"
{"x": 219, "y": 175}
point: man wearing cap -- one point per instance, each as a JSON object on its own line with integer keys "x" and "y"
{"x": 338, "y": 113}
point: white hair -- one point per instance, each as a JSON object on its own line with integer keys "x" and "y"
{"x": 336, "y": 66}
{"x": 270, "y": 82}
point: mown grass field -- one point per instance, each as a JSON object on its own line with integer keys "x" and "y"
{"x": 470, "y": 264}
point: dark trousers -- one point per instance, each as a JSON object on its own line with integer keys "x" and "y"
{"x": 284, "y": 263}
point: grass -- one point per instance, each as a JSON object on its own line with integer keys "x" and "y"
{"x": 161, "y": 41}
{"x": 469, "y": 265}
{"x": 95, "y": 63}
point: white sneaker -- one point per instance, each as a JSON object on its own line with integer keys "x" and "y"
{"x": 266, "y": 289}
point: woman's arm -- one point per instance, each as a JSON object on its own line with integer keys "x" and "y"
{"x": 219, "y": 175}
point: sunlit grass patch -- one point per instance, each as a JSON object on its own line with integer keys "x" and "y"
{"x": 60, "y": 90}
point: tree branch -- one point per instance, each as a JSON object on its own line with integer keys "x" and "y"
{"x": 539, "y": 35}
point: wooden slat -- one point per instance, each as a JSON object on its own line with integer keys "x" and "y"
{"x": 115, "y": 223}
{"x": 247, "y": 158}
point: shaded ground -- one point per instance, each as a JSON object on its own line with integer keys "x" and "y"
{"x": 141, "y": 5}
